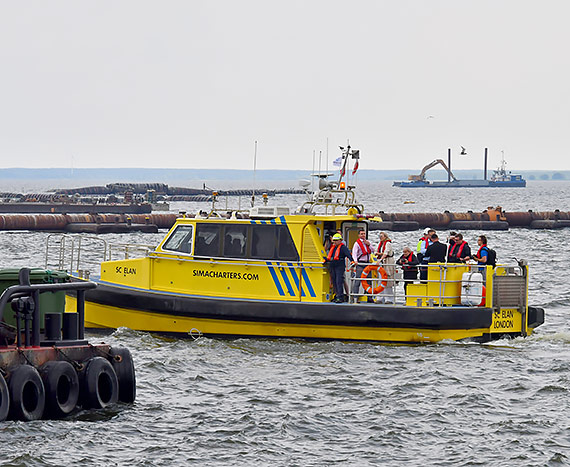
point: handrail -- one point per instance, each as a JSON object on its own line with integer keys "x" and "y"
{"x": 223, "y": 260}
{"x": 442, "y": 281}
{"x": 32, "y": 308}
{"x": 78, "y": 246}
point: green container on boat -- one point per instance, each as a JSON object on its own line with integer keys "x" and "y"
{"x": 50, "y": 302}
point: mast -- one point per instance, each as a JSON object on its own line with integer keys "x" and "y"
{"x": 254, "y": 167}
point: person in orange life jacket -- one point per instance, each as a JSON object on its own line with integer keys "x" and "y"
{"x": 423, "y": 244}
{"x": 386, "y": 260}
{"x": 409, "y": 263}
{"x": 460, "y": 252}
{"x": 339, "y": 231}
{"x": 482, "y": 254}
{"x": 361, "y": 252}
{"x": 337, "y": 264}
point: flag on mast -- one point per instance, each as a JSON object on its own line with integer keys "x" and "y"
{"x": 356, "y": 156}
{"x": 355, "y": 168}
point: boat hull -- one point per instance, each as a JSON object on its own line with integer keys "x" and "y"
{"x": 463, "y": 184}
{"x": 111, "y": 306}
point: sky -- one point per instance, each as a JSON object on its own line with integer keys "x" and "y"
{"x": 195, "y": 84}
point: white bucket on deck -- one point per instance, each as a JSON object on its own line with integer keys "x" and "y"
{"x": 471, "y": 288}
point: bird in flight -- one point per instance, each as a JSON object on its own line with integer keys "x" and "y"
{"x": 463, "y": 151}
{"x": 430, "y": 116}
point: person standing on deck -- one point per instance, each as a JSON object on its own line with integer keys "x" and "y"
{"x": 460, "y": 252}
{"x": 436, "y": 251}
{"x": 361, "y": 252}
{"x": 423, "y": 245}
{"x": 409, "y": 263}
{"x": 482, "y": 256}
{"x": 386, "y": 259}
{"x": 337, "y": 265}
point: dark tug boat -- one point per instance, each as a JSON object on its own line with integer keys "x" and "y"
{"x": 47, "y": 367}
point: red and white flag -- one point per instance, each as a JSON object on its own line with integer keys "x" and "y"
{"x": 355, "y": 168}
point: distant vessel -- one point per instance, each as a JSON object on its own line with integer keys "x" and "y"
{"x": 500, "y": 178}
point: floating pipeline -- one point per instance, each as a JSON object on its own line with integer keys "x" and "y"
{"x": 47, "y": 368}
{"x": 164, "y": 189}
{"x": 63, "y": 208}
{"x": 397, "y": 222}
{"x": 89, "y": 223}
{"x": 489, "y": 219}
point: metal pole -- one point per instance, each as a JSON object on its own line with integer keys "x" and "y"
{"x": 81, "y": 314}
{"x": 449, "y": 165}
{"x": 36, "y": 320}
{"x": 485, "y": 166}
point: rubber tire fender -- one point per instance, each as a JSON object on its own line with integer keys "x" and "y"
{"x": 100, "y": 386}
{"x": 4, "y": 399}
{"x": 27, "y": 393}
{"x": 124, "y": 367}
{"x": 62, "y": 388}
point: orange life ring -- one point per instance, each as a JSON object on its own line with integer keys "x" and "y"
{"x": 381, "y": 271}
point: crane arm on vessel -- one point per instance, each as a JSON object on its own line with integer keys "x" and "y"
{"x": 422, "y": 175}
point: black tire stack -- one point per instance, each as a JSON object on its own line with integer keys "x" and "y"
{"x": 59, "y": 387}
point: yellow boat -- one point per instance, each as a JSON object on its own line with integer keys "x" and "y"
{"x": 264, "y": 276}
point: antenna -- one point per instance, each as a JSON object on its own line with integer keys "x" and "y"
{"x": 313, "y": 173}
{"x": 327, "y": 166}
{"x": 254, "y": 167}
{"x": 345, "y": 154}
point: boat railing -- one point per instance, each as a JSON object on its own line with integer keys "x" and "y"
{"x": 443, "y": 287}
{"x": 330, "y": 200}
{"x": 83, "y": 254}
{"x": 128, "y": 251}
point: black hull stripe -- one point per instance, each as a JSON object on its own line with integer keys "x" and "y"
{"x": 332, "y": 314}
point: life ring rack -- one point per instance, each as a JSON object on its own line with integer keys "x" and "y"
{"x": 381, "y": 272}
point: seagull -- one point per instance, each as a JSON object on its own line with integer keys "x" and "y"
{"x": 430, "y": 116}
{"x": 463, "y": 151}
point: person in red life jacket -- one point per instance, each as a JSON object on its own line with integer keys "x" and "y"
{"x": 409, "y": 263}
{"x": 337, "y": 265}
{"x": 361, "y": 251}
{"x": 482, "y": 254}
{"x": 386, "y": 260}
{"x": 460, "y": 252}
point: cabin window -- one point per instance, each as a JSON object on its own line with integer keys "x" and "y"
{"x": 207, "y": 240}
{"x": 180, "y": 240}
{"x": 272, "y": 242}
{"x": 235, "y": 241}
{"x": 263, "y": 241}
{"x": 287, "y": 248}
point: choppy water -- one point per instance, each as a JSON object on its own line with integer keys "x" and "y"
{"x": 288, "y": 402}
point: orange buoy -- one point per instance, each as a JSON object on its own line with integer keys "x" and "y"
{"x": 381, "y": 271}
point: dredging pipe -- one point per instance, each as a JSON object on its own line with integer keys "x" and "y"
{"x": 92, "y": 223}
{"x": 489, "y": 219}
